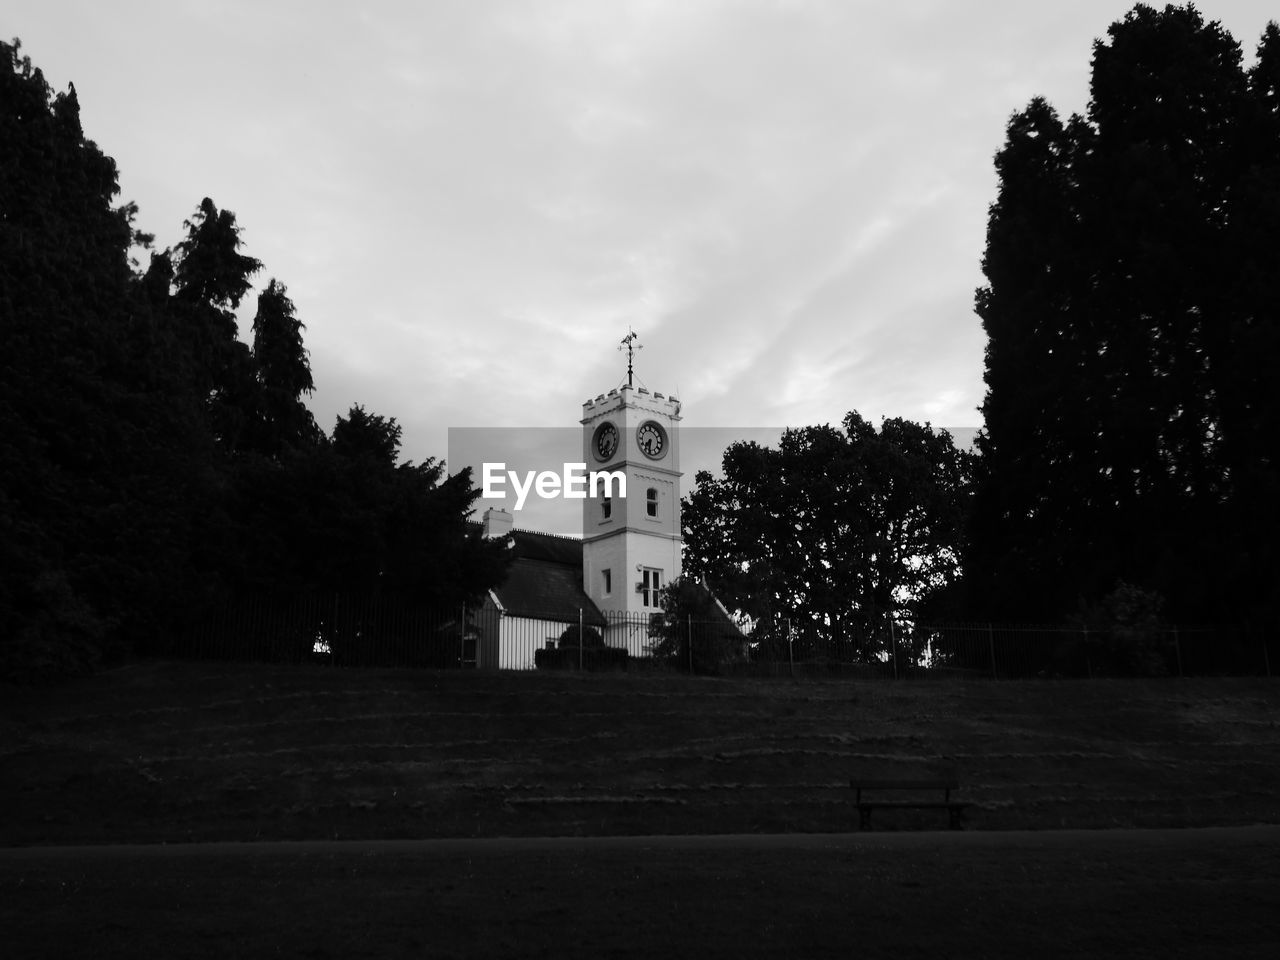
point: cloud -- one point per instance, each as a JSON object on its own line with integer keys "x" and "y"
{"x": 471, "y": 202}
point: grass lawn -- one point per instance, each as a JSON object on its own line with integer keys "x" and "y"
{"x": 178, "y": 752}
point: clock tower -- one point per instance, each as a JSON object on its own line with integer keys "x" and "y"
{"x": 631, "y": 544}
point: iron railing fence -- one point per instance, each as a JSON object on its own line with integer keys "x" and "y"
{"x": 392, "y": 631}
{"x": 1012, "y": 651}
{"x": 358, "y": 630}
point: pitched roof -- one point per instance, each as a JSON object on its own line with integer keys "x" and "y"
{"x": 546, "y": 546}
{"x": 545, "y": 580}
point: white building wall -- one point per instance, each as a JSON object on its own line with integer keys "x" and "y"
{"x": 520, "y": 637}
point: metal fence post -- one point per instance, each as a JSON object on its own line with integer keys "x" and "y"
{"x": 689, "y": 623}
{"x": 991, "y": 644}
{"x": 1177, "y": 649}
{"x": 582, "y": 641}
{"x": 893, "y": 645}
{"x": 1266, "y": 655}
{"x": 791, "y": 652}
{"x": 333, "y": 631}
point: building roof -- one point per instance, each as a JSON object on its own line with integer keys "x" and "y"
{"x": 545, "y": 580}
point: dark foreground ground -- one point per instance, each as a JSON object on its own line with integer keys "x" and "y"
{"x": 169, "y": 753}
{"x": 1211, "y": 893}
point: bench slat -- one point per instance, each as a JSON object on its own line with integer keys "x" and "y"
{"x": 906, "y": 804}
{"x": 955, "y": 808}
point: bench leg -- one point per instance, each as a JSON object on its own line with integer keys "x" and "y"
{"x": 957, "y": 818}
{"x": 864, "y": 818}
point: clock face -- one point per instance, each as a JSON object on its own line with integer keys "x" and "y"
{"x": 606, "y": 442}
{"x": 651, "y": 439}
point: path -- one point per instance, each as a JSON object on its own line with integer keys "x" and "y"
{"x": 1157, "y": 893}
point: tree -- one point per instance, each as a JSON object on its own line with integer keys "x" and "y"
{"x": 210, "y": 278}
{"x": 580, "y": 649}
{"x": 101, "y": 461}
{"x": 151, "y": 466}
{"x": 362, "y": 435}
{"x": 211, "y": 271}
{"x": 284, "y": 373}
{"x": 693, "y": 632}
{"x": 346, "y": 517}
{"x": 1124, "y": 634}
{"x": 1127, "y": 268}
{"x": 835, "y": 531}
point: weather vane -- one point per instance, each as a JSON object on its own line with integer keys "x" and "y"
{"x": 629, "y": 342}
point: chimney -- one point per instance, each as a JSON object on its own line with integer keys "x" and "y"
{"x": 497, "y": 523}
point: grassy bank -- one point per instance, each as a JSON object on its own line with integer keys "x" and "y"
{"x": 172, "y": 752}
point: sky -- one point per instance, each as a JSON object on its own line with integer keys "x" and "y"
{"x": 472, "y": 202}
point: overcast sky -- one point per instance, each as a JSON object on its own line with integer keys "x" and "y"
{"x": 471, "y": 201}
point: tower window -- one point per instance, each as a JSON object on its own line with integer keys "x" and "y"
{"x": 607, "y": 577}
{"x": 651, "y": 503}
{"x": 650, "y": 586}
{"x": 606, "y": 508}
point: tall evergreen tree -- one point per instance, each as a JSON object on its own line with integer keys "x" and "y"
{"x": 98, "y": 449}
{"x": 1118, "y": 255}
{"x": 284, "y": 373}
{"x": 211, "y": 277}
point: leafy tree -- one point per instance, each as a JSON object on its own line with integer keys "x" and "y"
{"x": 1129, "y": 285}
{"x": 833, "y": 531}
{"x": 693, "y": 632}
{"x": 1125, "y": 635}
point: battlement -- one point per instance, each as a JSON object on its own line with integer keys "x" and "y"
{"x": 634, "y": 395}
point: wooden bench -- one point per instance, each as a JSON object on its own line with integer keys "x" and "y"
{"x": 954, "y": 808}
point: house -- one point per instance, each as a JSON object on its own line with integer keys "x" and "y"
{"x": 541, "y": 598}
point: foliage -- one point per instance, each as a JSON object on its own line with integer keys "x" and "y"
{"x": 1132, "y": 273}
{"x": 284, "y": 374}
{"x": 361, "y": 435}
{"x": 210, "y": 278}
{"x": 693, "y": 632}
{"x": 575, "y": 636}
{"x": 1125, "y": 636}
{"x": 101, "y": 440}
{"x": 337, "y": 518}
{"x": 833, "y": 530}
{"x": 151, "y": 463}
{"x": 583, "y": 649}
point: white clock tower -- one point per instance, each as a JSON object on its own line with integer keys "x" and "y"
{"x": 631, "y": 545}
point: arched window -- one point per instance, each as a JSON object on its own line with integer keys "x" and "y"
{"x": 606, "y": 507}
{"x": 651, "y": 502}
